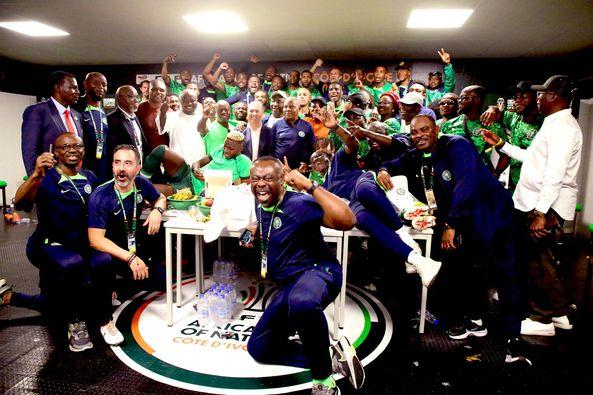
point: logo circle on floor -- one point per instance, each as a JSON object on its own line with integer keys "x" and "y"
{"x": 208, "y": 359}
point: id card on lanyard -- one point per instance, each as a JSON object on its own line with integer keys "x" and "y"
{"x": 428, "y": 186}
{"x": 99, "y": 132}
{"x": 264, "y": 243}
{"x": 130, "y": 228}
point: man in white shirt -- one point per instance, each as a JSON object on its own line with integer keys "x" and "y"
{"x": 182, "y": 127}
{"x": 545, "y": 197}
{"x": 257, "y": 135}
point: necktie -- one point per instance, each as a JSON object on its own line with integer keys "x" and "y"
{"x": 69, "y": 123}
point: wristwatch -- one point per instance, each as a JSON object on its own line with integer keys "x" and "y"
{"x": 160, "y": 210}
{"x": 313, "y": 187}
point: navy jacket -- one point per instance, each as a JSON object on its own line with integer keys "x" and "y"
{"x": 265, "y": 144}
{"x": 468, "y": 196}
{"x": 121, "y": 131}
{"x": 42, "y": 123}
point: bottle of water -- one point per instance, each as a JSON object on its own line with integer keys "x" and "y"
{"x": 431, "y": 318}
{"x": 203, "y": 310}
{"x": 216, "y": 271}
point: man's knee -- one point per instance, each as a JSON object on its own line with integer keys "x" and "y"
{"x": 257, "y": 350}
{"x": 302, "y": 304}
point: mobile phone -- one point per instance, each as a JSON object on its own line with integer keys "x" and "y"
{"x": 246, "y": 237}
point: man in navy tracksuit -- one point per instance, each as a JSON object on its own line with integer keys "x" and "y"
{"x": 296, "y": 258}
{"x": 472, "y": 204}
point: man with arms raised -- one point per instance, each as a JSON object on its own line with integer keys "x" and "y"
{"x": 308, "y": 277}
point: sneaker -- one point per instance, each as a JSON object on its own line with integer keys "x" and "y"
{"x": 410, "y": 269}
{"x": 78, "y": 337}
{"x": 111, "y": 334}
{"x": 5, "y": 292}
{"x": 346, "y": 362}
{"x": 535, "y": 328}
{"x": 515, "y": 352}
{"x": 320, "y": 389}
{"x": 562, "y": 322}
{"x": 469, "y": 328}
{"x": 426, "y": 268}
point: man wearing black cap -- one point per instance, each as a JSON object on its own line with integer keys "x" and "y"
{"x": 436, "y": 90}
{"x": 524, "y": 123}
{"x": 545, "y": 197}
{"x": 403, "y": 72}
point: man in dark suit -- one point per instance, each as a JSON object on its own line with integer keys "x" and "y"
{"x": 43, "y": 122}
{"x": 257, "y": 136}
{"x": 124, "y": 127}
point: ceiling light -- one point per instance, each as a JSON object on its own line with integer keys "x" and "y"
{"x": 438, "y": 18}
{"x": 216, "y": 22}
{"x": 33, "y": 29}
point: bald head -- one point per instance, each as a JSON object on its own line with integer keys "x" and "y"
{"x": 223, "y": 111}
{"x": 95, "y": 87}
{"x": 157, "y": 91}
{"x": 127, "y": 98}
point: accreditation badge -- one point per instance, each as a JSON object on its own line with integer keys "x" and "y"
{"x": 264, "y": 265}
{"x": 99, "y": 152}
{"x": 430, "y": 199}
{"x": 132, "y": 243}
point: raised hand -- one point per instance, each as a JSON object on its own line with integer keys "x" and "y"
{"x": 170, "y": 58}
{"x": 319, "y": 62}
{"x": 253, "y": 59}
{"x": 445, "y": 57}
{"x": 224, "y": 66}
{"x": 216, "y": 55}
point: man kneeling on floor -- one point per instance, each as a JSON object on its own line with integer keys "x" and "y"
{"x": 114, "y": 210}
{"x": 308, "y": 277}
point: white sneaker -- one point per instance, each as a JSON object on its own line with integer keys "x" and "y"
{"x": 534, "y": 328}
{"x": 562, "y": 322}
{"x": 111, "y": 334}
{"x": 410, "y": 269}
{"x": 346, "y": 362}
{"x": 426, "y": 268}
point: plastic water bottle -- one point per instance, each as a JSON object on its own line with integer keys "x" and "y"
{"x": 216, "y": 271}
{"x": 202, "y": 309}
{"x": 431, "y": 318}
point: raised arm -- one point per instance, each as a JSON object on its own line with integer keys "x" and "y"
{"x": 213, "y": 78}
{"x": 336, "y": 213}
{"x": 203, "y": 123}
{"x": 449, "y": 83}
{"x": 165, "y": 69}
{"x": 25, "y": 194}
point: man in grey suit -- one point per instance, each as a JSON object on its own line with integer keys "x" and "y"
{"x": 44, "y": 122}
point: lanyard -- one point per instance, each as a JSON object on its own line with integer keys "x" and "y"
{"x": 72, "y": 183}
{"x": 264, "y": 242}
{"x": 98, "y": 132}
{"x": 426, "y": 168}
{"x": 130, "y": 230}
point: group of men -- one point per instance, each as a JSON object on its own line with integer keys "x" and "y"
{"x": 447, "y": 162}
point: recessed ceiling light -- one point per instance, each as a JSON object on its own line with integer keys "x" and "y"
{"x": 438, "y": 18}
{"x": 216, "y": 22}
{"x": 33, "y": 29}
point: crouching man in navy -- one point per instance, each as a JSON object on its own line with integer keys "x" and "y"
{"x": 308, "y": 277}
{"x": 114, "y": 210}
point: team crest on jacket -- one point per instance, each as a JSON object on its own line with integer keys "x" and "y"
{"x": 277, "y": 223}
{"x": 301, "y": 133}
{"x": 139, "y": 198}
{"x": 88, "y": 189}
{"x": 446, "y": 175}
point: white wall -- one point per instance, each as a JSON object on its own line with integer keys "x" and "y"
{"x": 586, "y": 170}
{"x": 12, "y": 169}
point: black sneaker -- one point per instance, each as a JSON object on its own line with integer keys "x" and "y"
{"x": 515, "y": 352}
{"x": 468, "y": 328}
{"x": 320, "y": 389}
{"x": 78, "y": 337}
{"x": 346, "y": 362}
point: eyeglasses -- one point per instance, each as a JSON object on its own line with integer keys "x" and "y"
{"x": 68, "y": 147}
{"x": 447, "y": 103}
